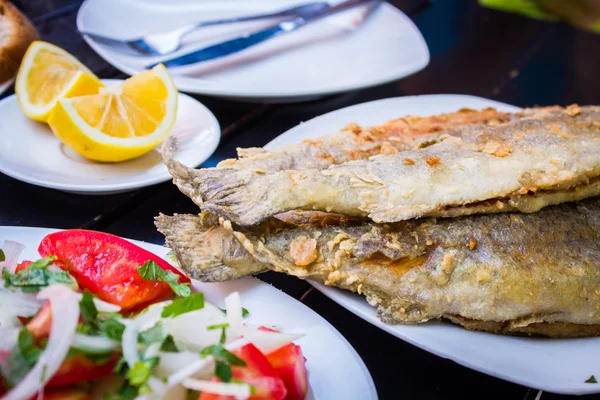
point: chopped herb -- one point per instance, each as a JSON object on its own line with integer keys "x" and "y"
{"x": 23, "y": 357}
{"x": 87, "y": 308}
{"x": 220, "y": 353}
{"x": 245, "y": 312}
{"x": 111, "y": 328}
{"x": 37, "y": 276}
{"x": 2, "y": 256}
{"x": 217, "y": 326}
{"x": 152, "y": 335}
{"x": 151, "y": 271}
{"x": 184, "y": 305}
{"x": 120, "y": 367}
{"x": 223, "y": 337}
{"x": 223, "y": 371}
{"x": 169, "y": 345}
{"x": 172, "y": 256}
{"x": 139, "y": 374}
{"x": 591, "y": 379}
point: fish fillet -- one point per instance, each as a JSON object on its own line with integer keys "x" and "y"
{"x": 532, "y": 273}
{"x": 524, "y": 165}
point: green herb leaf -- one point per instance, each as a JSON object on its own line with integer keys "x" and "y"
{"x": 591, "y": 379}
{"x": 169, "y": 345}
{"x": 151, "y": 271}
{"x": 23, "y": 357}
{"x": 152, "y": 335}
{"x": 36, "y": 276}
{"x": 87, "y": 308}
{"x": 220, "y": 353}
{"x": 245, "y": 312}
{"x": 111, "y": 328}
{"x": 217, "y": 326}
{"x": 2, "y": 256}
{"x": 184, "y": 305}
{"x": 223, "y": 371}
{"x": 172, "y": 256}
{"x": 141, "y": 371}
{"x": 223, "y": 337}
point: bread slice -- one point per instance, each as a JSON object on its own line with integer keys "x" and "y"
{"x": 16, "y": 34}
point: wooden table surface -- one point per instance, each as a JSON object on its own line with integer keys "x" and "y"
{"x": 474, "y": 51}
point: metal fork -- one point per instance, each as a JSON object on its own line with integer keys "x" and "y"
{"x": 167, "y": 42}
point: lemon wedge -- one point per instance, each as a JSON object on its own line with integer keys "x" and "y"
{"x": 121, "y": 122}
{"x": 47, "y": 74}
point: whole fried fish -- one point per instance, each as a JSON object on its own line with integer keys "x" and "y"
{"x": 549, "y": 157}
{"x": 533, "y": 273}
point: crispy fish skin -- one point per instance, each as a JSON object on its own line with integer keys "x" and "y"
{"x": 532, "y": 273}
{"x": 524, "y": 165}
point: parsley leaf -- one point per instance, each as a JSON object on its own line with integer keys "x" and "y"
{"x": 184, "y": 305}
{"x": 23, "y": 357}
{"x": 2, "y": 256}
{"x": 87, "y": 308}
{"x": 220, "y": 353}
{"x": 169, "y": 345}
{"x": 591, "y": 379}
{"x": 245, "y": 312}
{"x": 217, "y": 326}
{"x": 152, "y": 335}
{"x": 223, "y": 371}
{"x": 151, "y": 271}
{"x": 111, "y": 328}
{"x": 140, "y": 373}
{"x": 36, "y": 276}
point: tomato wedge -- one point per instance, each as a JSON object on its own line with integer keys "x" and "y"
{"x": 106, "y": 265}
{"x": 291, "y": 367}
{"x": 258, "y": 372}
{"x": 23, "y": 265}
{"x": 79, "y": 368}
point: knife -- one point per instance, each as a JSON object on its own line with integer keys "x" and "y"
{"x": 240, "y": 43}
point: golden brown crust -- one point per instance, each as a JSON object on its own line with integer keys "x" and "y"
{"x": 16, "y": 34}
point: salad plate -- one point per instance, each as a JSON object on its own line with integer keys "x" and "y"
{"x": 31, "y": 153}
{"x": 332, "y": 364}
{"x": 554, "y": 365}
{"x": 294, "y": 67}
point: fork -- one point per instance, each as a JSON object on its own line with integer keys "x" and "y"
{"x": 163, "y": 43}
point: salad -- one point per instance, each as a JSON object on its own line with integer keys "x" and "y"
{"x": 98, "y": 317}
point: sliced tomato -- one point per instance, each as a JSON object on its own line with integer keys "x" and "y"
{"x": 258, "y": 372}
{"x": 64, "y": 394}
{"x": 41, "y": 324}
{"x": 23, "y": 265}
{"x": 79, "y": 368}
{"x": 291, "y": 367}
{"x": 106, "y": 265}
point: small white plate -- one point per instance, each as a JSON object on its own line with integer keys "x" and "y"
{"x": 335, "y": 369}
{"x": 326, "y": 57}
{"x": 31, "y": 153}
{"x": 553, "y": 365}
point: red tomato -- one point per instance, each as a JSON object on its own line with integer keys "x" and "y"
{"x": 106, "y": 265}
{"x": 41, "y": 324}
{"x": 290, "y": 365}
{"x": 23, "y": 265}
{"x": 259, "y": 373}
{"x": 79, "y": 368}
{"x": 64, "y": 394}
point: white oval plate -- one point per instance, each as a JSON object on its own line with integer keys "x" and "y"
{"x": 335, "y": 369}
{"x": 31, "y": 153}
{"x": 553, "y": 365}
{"x": 327, "y": 57}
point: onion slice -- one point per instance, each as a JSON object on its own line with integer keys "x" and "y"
{"x": 233, "y": 305}
{"x": 94, "y": 344}
{"x": 12, "y": 252}
{"x": 65, "y": 316}
{"x": 129, "y": 342}
{"x": 237, "y": 390}
{"x": 267, "y": 341}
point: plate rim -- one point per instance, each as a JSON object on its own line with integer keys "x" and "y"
{"x": 98, "y": 189}
{"x": 152, "y": 246}
{"x": 336, "y": 295}
{"x": 183, "y": 84}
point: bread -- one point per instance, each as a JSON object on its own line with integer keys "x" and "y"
{"x": 16, "y": 34}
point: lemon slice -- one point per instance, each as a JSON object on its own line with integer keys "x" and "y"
{"x": 121, "y": 122}
{"x": 47, "y": 74}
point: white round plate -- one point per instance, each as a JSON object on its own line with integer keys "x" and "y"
{"x": 554, "y": 365}
{"x": 335, "y": 369}
{"x": 31, "y": 153}
{"x": 334, "y": 55}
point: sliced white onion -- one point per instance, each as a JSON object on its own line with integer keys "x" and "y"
{"x": 237, "y": 390}
{"x": 12, "y": 253}
{"x": 171, "y": 362}
{"x": 94, "y": 344}
{"x": 233, "y": 305}
{"x": 17, "y": 304}
{"x": 158, "y": 387}
{"x": 8, "y": 338}
{"x": 152, "y": 350}
{"x": 195, "y": 368}
{"x": 190, "y": 331}
{"x": 266, "y": 341}
{"x": 65, "y": 316}
{"x": 101, "y": 305}
{"x": 133, "y": 327}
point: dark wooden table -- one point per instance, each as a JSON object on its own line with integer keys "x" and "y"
{"x": 473, "y": 51}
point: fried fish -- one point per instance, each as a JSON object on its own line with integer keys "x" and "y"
{"x": 547, "y": 157}
{"x": 531, "y": 273}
